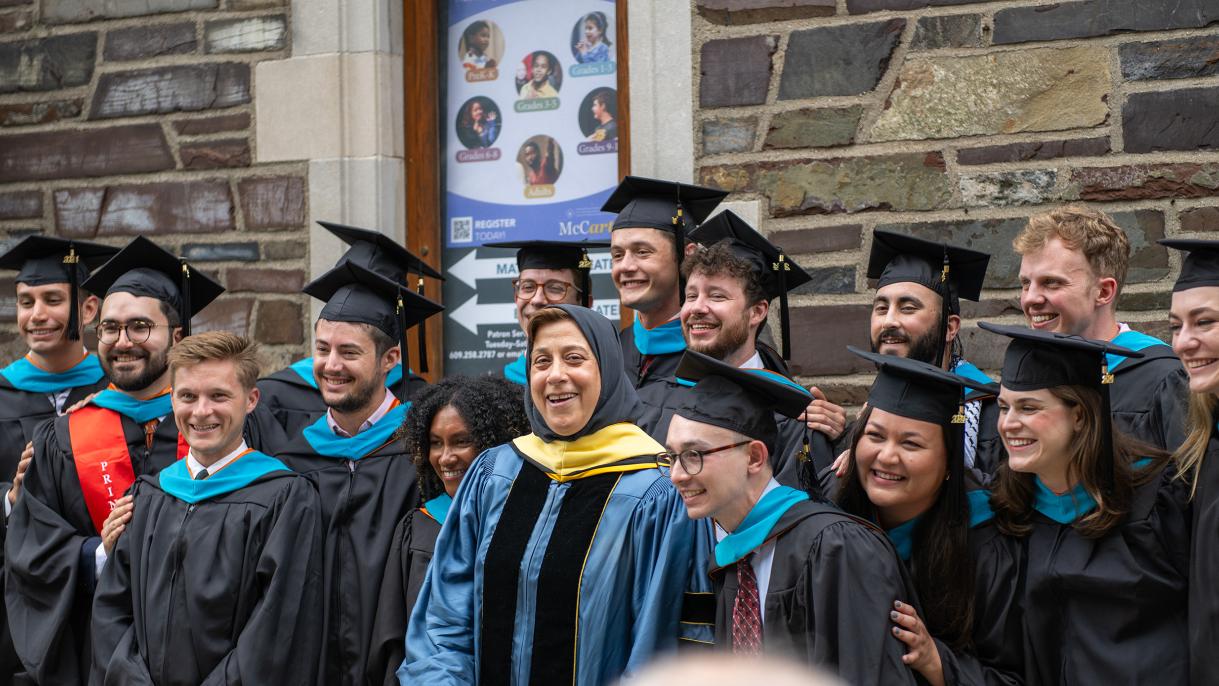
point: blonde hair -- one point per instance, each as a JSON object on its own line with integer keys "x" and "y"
{"x": 1090, "y": 231}
{"x": 216, "y": 346}
{"x": 1192, "y": 452}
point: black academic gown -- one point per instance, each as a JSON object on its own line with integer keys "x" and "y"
{"x": 1111, "y": 610}
{"x": 641, "y": 369}
{"x": 362, "y": 502}
{"x": 224, "y": 591}
{"x": 409, "y": 557}
{"x": 1149, "y": 397}
{"x": 1203, "y": 564}
{"x": 50, "y": 572}
{"x": 833, "y": 583}
{"x": 296, "y": 404}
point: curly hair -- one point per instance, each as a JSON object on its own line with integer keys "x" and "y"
{"x": 493, "y": 409}
{"x": 718, "y": 259}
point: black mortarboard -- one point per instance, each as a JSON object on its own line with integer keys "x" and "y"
{"x": 740, "y": 400}
{"x": 1037, "y": 360}
{"x": 557, "y": 255}
{"x": 665, "y": 205}
{"x": 778, "y": 273}
{"x": 354, "y": 293}
{"x": 950, "y": 271}
{"x": 917, "y": 390}
{"x": 378, "y": 252}
{"x": 1200, "y": 266}
{"x": 43, "y": 260}
{"x": 146, "y": 269}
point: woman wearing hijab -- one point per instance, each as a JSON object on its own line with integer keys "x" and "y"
{"x": 449, "y": 425}
{"x": 906, "y": 472}
{"x": 566, "y": 557}
{"x": 1105, "y": 526}
{"x": 1195, "y": 339}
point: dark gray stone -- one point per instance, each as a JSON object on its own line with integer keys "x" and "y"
{"x": 1171, "y": 120}
{"x": 813, "y": 128}
{"x": 838, "y": 60}
{"x": 245, "y": 251}
{"x": 826, "y": 280}
{"x": 1148, "y": 261}
{"x": 1198, "y": 219}
{"x": 185, "y": 88}
{"x": 1099, "y": 18}
{"x": 1183, "y": 58}
{"x": 47, "y": 63}
{"x": 821, "y": 334}
{"x": 948, "y": 31}
{"x": 21, "y": 205}
{"x": 749, "y": 11}
{"x": 728, "y": 135}
{"x": 1041, "y": 150}
{"x": 736, "y": 71}
{"x": 76, "y": 11}
{"x": 864, "y": 6}
{"x": 139, "y": 42}
{"x": 1157, "y": 300}
{"x": 284, "y": 250}
{"x": 16, "y": 22}
{"x": 821, "y": 239}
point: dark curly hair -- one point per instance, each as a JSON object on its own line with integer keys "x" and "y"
{"x": 493, "y": 409}
{"x": 719, "y": 260}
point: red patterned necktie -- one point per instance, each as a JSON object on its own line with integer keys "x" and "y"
{"x": 746, "y": 611}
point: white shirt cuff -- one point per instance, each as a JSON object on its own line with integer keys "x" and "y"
{"x": 99, "y": 559}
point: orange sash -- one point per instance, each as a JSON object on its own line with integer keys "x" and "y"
{"x": 103, "y": 464}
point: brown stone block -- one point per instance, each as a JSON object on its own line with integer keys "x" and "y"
{"x": 821, "y": 333}
{"x": 990, "y": 309}
{"x": 736, "y": 71}
{"x": 1158, "y": 328}
{"x": 1146, "y": 182}
{"x": 813, "y": 128}
{"x": 155, "y": 208}
{"x": 279, "y": 322}
{"x": 276, "y": 202}
{"x": 13, "y": 22}
{"x": 135, "y": 149}
{"x": 21, "y": 205}
{"x": 284, "y": 250}
{"x": 1157, "y": 300}
{"x": 1200, "y": 219}
{"x": 750, "y": 11}
{"x": 215, "y": 154}
{"x": 821, "y": 239}
{"x": 241, "y": 5}
{"x": 140, "y": 42}
{"x": 846, "y": 394}
{"x": 264, "y": 280}
{"x": 1042, "y": 150}
{"x": 30, "y": 113}
{"x": 225, "y": 314}
{"x": 161, "y": 90}
{"x": 206, "y": 125}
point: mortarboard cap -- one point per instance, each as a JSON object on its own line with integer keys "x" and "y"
{"x": 740, "y": 400}
{"x": 44, "y": 260}
{"x": 145, "y": 269}
{"x": 557, "y": 255}
{"x": 666, "y": 205}
{"x": 1200, "y": 266}
{"x": 778, "y": 273}
{"x": 916, "y": 390}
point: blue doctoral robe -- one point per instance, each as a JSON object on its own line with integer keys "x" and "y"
{"x": 645, "y": 561}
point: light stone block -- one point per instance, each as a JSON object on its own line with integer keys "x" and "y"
{"x": 662, "y": 91}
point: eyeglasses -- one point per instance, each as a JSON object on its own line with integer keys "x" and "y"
{"x": 553, "y": 291}
{"x": 691, "y": 460}
{"x": 138, "y": 331}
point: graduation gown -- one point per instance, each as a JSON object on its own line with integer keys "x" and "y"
{"x": 222, "y": 590}
{"x": 292, "y": 397}
{"x": 663, "y": 345}
{"x": 537, "y": 580}
{"x": 833, "y": 582}
{"x": 1110, "y": 610}
{"x": 1149, "y": 397}
{"x": 367, "y": 485}
{"x": 409, "y": 556}
{"x": 50, "y": 571}
{"x": 1203, "y": 563}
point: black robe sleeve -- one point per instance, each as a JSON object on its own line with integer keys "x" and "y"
{"x": 1204, "y": 561}
{"x": 409, "y": 555}
{"x": 114, "y": 640}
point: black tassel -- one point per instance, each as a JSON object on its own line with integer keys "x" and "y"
{"x": 422, "y": 330}
{"x": 72, "y": 261}
{"x": 946, "y": 297}
{"x": 784, "y": 322}
{"x": 586, "y": 278}
{"x": 186, "y": 308}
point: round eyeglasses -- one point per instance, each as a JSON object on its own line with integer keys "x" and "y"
{"x": 138, "y": 331}
{"x": 554, "y": 291}
{"x": 691, "y": 460}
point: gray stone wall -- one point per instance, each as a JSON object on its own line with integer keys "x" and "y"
{"x": 956, "y": 119}
{"x": 126, "y": 117}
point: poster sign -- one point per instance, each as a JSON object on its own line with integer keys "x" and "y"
{"x": 530, "y": 151}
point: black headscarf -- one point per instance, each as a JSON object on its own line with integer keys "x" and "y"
{"x": 618, "y": 401}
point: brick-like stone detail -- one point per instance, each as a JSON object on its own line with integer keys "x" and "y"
{"x": 1041, "y": 150}
{"x": 205, "y": 125}
{"x": 813, "y": 128}
{"x": 171, "y": 89}
{"x": 828, "y": 280}
{"x": 48, "y": 63}
{"x": 239, "y": 251}
{"x": 265, "y": 280}
{"x": 1198, "y": 219}
{"x": 273, "y": 203}
{"x": 838, "y": 60}
{"x": 137, "y": 148}
{"x": 20, "y": 205}
{"x": 16, "y": 21}
{"x": 736, "y": 71}
{"x": 1183, "y": 58}
{"x": 1037, "y": 22}
{"x": 1145, "y": 182}
{"x": 823, "y": 239}
{"x": 729, "y": 135}
{"x": 822, "y": 334}
{"x": 142, "y": 42}
{"x": 215, "y": 154}
{"x": 863, "y": 6}
{"x": 254, "y": 34}
{"x": 280, "y": 322}
{"x": 1173, "y": 120}
{"x": 947, "y": 31}
{"x": 155, "y": 208}
{"x": 747, "y": 11}
{"x": 226, "y": 314}
{"x": 31, "y": 113}
{"x": 75, "y": 11}
{"x": 998, "y": 189}
{"x": 283, "y": 250}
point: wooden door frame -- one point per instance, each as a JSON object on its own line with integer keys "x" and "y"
{"x": 421, "y": 94}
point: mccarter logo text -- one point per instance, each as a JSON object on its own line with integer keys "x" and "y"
{"x": 584, "y": 228}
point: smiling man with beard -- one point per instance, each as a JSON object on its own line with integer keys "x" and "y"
{"x": 353, "y": 455}
{"x": 71, "y": 509}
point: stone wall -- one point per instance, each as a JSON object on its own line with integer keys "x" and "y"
{"x": 126, "y": 117}
{"x": 955, "y": 119}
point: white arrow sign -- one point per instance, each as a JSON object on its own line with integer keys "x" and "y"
{"x": 471, "y": 313}
{"x": 471, "y": 268}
